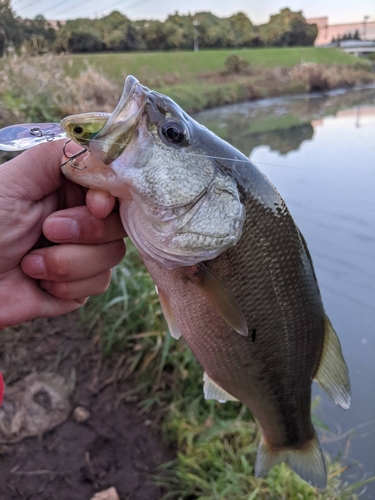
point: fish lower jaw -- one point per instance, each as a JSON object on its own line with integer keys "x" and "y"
{"x": 166, "y": 257}
{"x": 160, "y": 247}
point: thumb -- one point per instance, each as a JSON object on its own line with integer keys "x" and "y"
{"x": 35, "y": 173}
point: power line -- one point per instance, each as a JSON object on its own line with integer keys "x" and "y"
{"x": 114, "y": 5}
{"x": 58, "y": 4}
{"x": 110, "y": 7}
{"x": 130, "y": 6}
{"x": 80, "y": 5}
{"x": 14, "y": 4}
{"x": 30, "y": 4}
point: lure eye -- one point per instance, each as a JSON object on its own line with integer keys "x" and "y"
{"x": 78, "y": 130}
{"x": 173, "y": 132}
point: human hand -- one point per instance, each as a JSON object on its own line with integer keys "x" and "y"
{"x": 36, "y": 200}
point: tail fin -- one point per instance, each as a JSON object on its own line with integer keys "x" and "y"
{"x": 308, "y": 462}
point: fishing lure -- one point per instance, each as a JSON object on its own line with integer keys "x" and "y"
{"x": 28, "y": 135}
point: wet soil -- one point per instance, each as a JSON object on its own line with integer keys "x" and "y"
{"x": 116, "y": 446}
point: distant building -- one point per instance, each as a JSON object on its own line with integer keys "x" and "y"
{"x": 326, "y": 31}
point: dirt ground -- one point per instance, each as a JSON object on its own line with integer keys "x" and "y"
{"x": 117, "y": 446}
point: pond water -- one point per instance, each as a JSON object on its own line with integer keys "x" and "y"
{"x": 319, "y": 151}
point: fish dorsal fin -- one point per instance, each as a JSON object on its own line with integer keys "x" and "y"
{"x": 219, "y": 295}
{"x": 308, "y": 462}
{"x": 168, "y": 314}
{"x": 213, "y": 391}
{"x": 332, "y": 374}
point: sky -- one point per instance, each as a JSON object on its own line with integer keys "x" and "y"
{"x": 337, "y": 11}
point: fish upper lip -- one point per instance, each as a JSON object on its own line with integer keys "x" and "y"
{"x": 129, "y": 105}
{"x": 113, "y": 138}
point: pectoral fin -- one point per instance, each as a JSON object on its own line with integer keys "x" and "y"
{"x": 213, "y": 391}
{"x": 219, "y": 295}
{"x": 332, "y": 374}
{"x": 168, "y": 314}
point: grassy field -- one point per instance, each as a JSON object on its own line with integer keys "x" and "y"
{"x": 187, "y": 65}
{"x": 201, "y": 80}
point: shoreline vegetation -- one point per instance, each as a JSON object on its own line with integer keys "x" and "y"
{"x": 47, "y": 88}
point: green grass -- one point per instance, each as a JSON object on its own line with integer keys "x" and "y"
{"x": 186, "y": 65}
{"x": 215, "y": 444}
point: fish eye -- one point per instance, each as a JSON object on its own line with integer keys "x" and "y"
{"x": 173, "y": 132}
{"x": 78, "y": 130}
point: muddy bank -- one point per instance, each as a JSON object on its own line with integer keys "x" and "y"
{"x": 116, "y": 446}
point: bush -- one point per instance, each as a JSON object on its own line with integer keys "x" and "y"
{"x": 236, "y": 64}
{"x": 318, "y": 77}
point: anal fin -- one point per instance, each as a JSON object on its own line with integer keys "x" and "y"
{"x": 168, "y": 314}
{"x": 212, "y": 390}
{"x": 219, "y": 295}
{"x": 308, "y": 462}
{"x": 332, "y": 374}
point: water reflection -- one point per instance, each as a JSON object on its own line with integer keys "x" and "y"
{"x": 320, "y": 154}
{"x": 283, "y": 124}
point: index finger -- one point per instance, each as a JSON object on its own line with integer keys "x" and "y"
{"x": 35, "y": 173}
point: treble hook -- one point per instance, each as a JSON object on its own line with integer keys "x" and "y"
{"x": 71, "y": 158}
{"x": 38, "y": 132}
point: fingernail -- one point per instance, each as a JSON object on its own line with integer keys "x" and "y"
{"x": 99, "y": 201}
{"x": 61, "y": 228}
{"x": 35, "y": 265}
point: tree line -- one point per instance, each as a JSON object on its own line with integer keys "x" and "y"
{"x": 116, "y": 32}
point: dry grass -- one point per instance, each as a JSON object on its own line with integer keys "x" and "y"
{"x": 39, "y": 89}
{"x": 321, "y": 77}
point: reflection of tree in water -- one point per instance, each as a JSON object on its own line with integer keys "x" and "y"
{"x": 281, "y": 133}
{"x": 283, "y": 124}
{"x": 283, "y": 140}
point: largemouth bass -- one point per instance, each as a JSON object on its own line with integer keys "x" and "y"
{"x": 233, "y": 272}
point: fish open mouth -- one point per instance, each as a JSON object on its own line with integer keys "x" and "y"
{"x": 116, "y": 134}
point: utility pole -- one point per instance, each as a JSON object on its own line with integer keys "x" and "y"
{"x": 196, "y": 42}
{"x": 365, "y": 19}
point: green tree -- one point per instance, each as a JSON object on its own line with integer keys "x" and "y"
{"x": 119, "y": 33}
{"x": 116, "y": 32}
{"x": 179, "y": 32}
{"x": 288, "y": 29}
{"x": 153, "y": 34}
{"x": 10, "y": 28}
{"x": 79, "y": 35}
{"x": 214, "y": 32}
{"x": 244, "y": 32}
{"x": 38, "y": 35}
